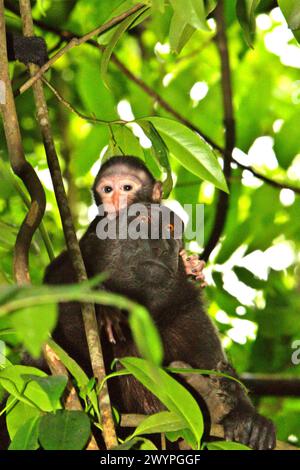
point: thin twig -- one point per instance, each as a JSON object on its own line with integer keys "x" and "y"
{"x": 71, "y": 108}
{"x": 75, "y": 41}
{"x": 88, "y": 309}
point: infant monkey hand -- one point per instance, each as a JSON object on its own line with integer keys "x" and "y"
{"x": 114, "y": 322}
{"x": 194, "y": 267}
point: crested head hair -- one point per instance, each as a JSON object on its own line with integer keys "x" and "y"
{"x": 129, "y": 161}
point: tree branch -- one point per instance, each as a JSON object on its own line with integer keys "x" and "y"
{"x": 133, "y": 420}
{"x": 77, "y": 41}
{"x": 88, "y": 309}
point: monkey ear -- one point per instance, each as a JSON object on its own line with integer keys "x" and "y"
{"x": 157, "y": 192}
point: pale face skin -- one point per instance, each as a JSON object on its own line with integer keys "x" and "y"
{"x": 117, "y": 189}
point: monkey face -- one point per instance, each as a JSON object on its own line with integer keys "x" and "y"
{"x": 119, "y": 186}
{"x": 122, "y": 181}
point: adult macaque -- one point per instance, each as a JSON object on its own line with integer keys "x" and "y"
{"x": 151, "y": 272}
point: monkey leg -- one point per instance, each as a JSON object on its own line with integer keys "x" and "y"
{"x": 229, "y": 405}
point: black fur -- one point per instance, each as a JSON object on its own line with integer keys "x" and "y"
{"x": 187, "y": 333}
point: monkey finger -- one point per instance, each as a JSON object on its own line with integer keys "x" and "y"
{"x": 199, "y": 276}
{"x": 270, "y": 437}
{"x": 256, "y": 436}
{"x": 229, "y": 433}
{"x": 109, "y": 332}
{"x": 243, "y": 433}
{"x": 262, "y": 441}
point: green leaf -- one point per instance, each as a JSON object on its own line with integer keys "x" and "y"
{"x": 12, "y": 379}
{"x": 146, "y": 335}
{"x": 245, "y": 10}
{"x": 171, "y": 393}
{"x": 26, "y": 437}
{"x": 18, "y": 414}
{"x": 159, "y": 152}
{"x": 7, "y": 234}
{"x": 226, "y": 445}
{"x": 33, "y": 326}
{"x": 180, "y": 33}
{"x": 193, "y": 12}
{"x": 158, "y": 6}
{"x": 160, "y": 422}
{"x": 122, "y": 142}
{"x": 248, "y": 278}
{"x": 210, "y": 5}
{"x": 138, "y": 443}
{"x": 64, "y": 430}
{"x": 291, "y": 11}
{"x": 286, "y": 141}
{"x": 124, "y": 6}
{"x": 118, "y": 33}
{"x": 53, "y": 386}
{"x": 83, "y": 382}
{"x": 190, "y": 150}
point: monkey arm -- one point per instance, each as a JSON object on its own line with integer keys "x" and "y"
{"x": 26, "y": 49}
{"x": 229, "y": 405}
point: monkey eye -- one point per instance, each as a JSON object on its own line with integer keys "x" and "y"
{"x": 107, "y": 189}
{"x": 127, "y": 187}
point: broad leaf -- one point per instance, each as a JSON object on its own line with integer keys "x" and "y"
{"x": 190, "y": 150}
{"x": 138, "y": 443}
{"x": 226, "y": 445}
{"x": 180, "y": 32}
{"x": 245, "y": 10}
{"x": 160, "y": 154}
{"x": 113, "y": 42}
{"x": 53, "y": 386}
{"x": 12, "y": 379}
{"x": 291, "y": 11}
{"x": 146, "y": 335}
{"x": 171, "y": 393}
{"x": 193, "y": 12}
{"x": 26, "y": 437}
{"x": 33, "y": 326}
{"x": 17, "y": 414}
{"x": 64, "y": 430}
{"x": 160, "y": 422}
